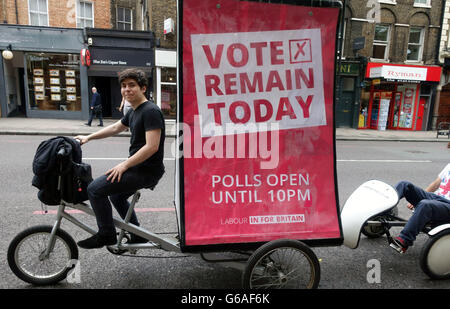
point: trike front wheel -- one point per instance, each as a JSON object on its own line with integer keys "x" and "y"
{"x": 282, "y": 264}
{"x": 27, "y": 260}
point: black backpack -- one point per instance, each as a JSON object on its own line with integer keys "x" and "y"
{"x": 49, "y": 169}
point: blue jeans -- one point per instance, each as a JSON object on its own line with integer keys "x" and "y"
{"x": 100, "y": 189}
{"x": 428, "y": 207}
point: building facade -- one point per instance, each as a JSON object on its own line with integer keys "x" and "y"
{"x": 394, "y": 46}
{"x": 58, "y": 50}
{"x": 162, "y": 18}
{"x": 442, "y": 111}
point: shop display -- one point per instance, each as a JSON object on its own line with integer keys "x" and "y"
{"x": 54, "y": 82}
{"x": 38, "y": 72}
{"x": 383, "y": 114}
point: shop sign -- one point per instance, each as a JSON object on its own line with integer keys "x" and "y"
{"x": 168, "y": 25}
{"x": 85, "y": 56}
{"x": 399, "y": 73}
{"x": 349, "y": 69}
{"x": 257, "y": 113}
{"x": 120, "y": 57}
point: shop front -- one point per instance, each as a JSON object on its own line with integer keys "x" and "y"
{"x": 397, "y": 97}
{"x": 112, "y": 51}
{"x": 44, "y": 78}
{"x": 348, "y": 93}
{"x": 166, "y": 82}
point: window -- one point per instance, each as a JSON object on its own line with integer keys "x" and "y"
{"x": 381, "y": 42}
{"x": 54, "y": 82}
{"x": 38, "y": 12}
{"x": 422, "y": 3}
{"x": 415, "y": 44}
{"x": 168, "y": 92}
{"x": 85, "y": 14}
{"x": 124, "y": 19}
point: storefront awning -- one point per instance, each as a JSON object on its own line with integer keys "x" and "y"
{"x": 404, "y": 73}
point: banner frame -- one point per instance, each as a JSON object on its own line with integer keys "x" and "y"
{"x": 179, "y": 160}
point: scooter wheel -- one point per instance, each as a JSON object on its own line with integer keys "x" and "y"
{"x": 434, "y": 258}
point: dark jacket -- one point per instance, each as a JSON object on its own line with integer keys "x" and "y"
{"x": 47, "y": 169}
{"x": 45, "y": 158}
{"x": 96, "y": 100}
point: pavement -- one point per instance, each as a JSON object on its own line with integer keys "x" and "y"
{"x": 55, "y": 127}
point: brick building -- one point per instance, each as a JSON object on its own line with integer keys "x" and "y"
{"x": 443, "y": 109}
{"x": 60, "y": 49}
{"x": 391, "y": 52}
{"x": 161, "y": 17}
{"x": 56, "y": 13}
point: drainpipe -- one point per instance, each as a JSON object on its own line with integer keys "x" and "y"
{"x": 17, "y": 12}
{"x": 4, "y": 12}
{"x": 437, "y": 98}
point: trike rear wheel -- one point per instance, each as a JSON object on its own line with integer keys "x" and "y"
{"x": 26, "y": 255}
{"x": 282, "y": 264}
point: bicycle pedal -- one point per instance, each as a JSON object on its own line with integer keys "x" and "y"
{"x": 397, "y": 248}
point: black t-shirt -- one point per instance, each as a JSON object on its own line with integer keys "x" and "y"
{"x": 146, "y": 117}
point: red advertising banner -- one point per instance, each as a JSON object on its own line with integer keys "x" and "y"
{"x": 257, "y": 120}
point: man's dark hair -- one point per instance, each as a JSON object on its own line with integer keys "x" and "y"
{"x": 136, "y": 74}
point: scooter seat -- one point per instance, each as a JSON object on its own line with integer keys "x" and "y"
{"x": 368, "y": 200}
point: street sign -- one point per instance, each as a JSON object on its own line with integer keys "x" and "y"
{"x": 358, "y": 43}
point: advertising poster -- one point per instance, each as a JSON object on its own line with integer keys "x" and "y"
{"x": 257, "y": 123}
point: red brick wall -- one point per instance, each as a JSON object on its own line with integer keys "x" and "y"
{"x": 62, "y": 13}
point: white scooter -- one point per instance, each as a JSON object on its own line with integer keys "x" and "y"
{"x": 372, "y": 210}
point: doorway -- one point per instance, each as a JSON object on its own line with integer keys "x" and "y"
{"x": 345, "y": 105}
{"x": 109, "y": 89}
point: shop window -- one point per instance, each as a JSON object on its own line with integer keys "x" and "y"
{"x": 364, "y": 108}
{"x": 169, "y": 92}
{"x": 348, "y": 84}
{"x": 124, "y": 19}
{"x": 85, "y": 14}
{"x": 381, "y": 42}
{"x": 54, "y": 82}
{"x": 415, "y": 44}
{"x": 38, "y": 12}
{"x": 407, "y": 107}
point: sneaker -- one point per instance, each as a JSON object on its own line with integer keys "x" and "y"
{"x": 87, "y": 124}
{"x": 98, "y": 241}
{"x": 100, "y": 125}
{"x": 399, "y": 245}
{"x": 135, "y": 239}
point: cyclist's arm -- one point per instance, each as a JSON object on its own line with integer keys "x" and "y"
{"x": 434, "y": 185}
{"x": 108, "y": 131}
